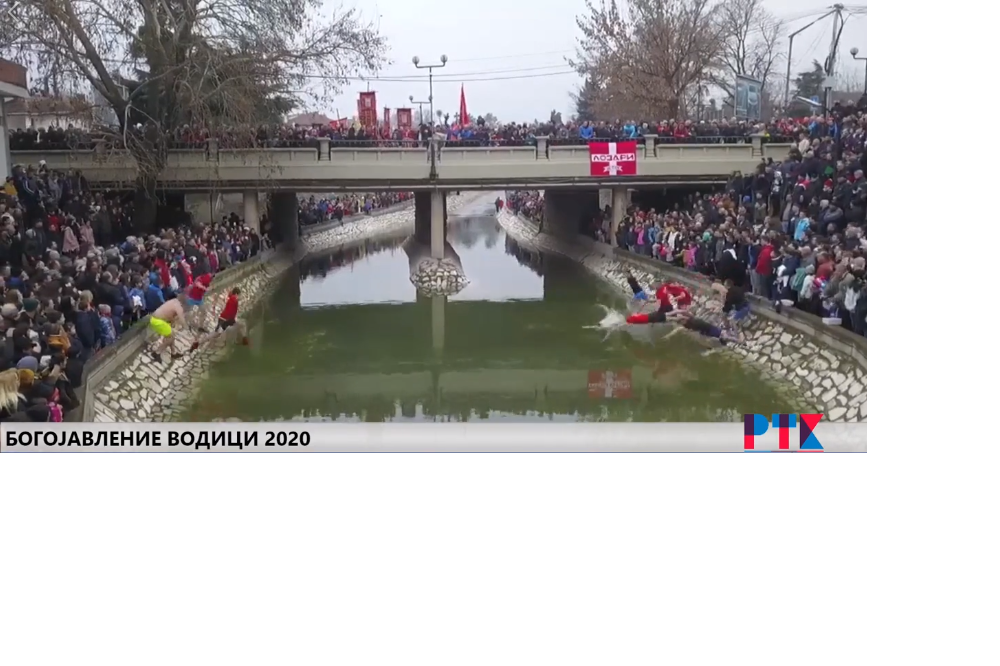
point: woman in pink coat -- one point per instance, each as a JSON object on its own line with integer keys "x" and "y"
{"x": 71, "y": 246}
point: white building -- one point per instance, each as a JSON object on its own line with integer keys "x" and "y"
{"x": 13, "y": 87}
{"x": 43, "y": 112}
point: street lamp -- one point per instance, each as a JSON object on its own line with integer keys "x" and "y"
{"x": 430, "y": 77}
{"x": 420, "y": 105}
{"x": 854, "y": 54}
{"x": 430, "y": 100}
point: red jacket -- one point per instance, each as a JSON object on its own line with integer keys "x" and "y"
{"x": 764, "y": 260}
{"x": 232, "y": 305}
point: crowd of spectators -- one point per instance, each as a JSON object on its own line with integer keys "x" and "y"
{"x": 794, "y": 232}
{"x": 335, "y": 208}
{"x": 74, "y": 276}
{"x": 477, "y": 132}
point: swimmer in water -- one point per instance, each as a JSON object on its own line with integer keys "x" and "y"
{"x": 668, "y": 294}
{"x": 638, "y": 293}
{"x": 702, "y": 327}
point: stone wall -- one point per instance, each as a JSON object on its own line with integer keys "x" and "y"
{"x": 821, "y": 365}
{"x": 393, "y": 222}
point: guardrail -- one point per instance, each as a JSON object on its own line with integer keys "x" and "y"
{"x": 651, "y": 147}
{"x": 93, "y": 143}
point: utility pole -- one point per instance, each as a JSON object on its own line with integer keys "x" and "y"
{"x": 791, "y": 42}
{"x": 831, "y": 59}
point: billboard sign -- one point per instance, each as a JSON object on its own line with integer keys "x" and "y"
{"x": 749, "y": 98}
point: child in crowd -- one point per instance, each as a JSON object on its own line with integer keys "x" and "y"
{"x": 227, "y": 319}
{"x": 108, "y": 332}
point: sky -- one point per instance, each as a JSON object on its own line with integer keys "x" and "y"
{"x": 511, "y": 57}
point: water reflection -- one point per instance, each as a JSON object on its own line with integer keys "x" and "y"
{"x": 351, "y": 340}
{"x": 321, "y": 265}
{"x": 525, "y": 256}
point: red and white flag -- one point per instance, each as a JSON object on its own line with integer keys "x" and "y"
{"x": 609, "y": 384}
{"x": 613, "y": 158}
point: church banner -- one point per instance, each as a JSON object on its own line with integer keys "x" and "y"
{"x": 367, "y": 110}
{"x": 404, "y": 118}
{"x": 614, "y": 158}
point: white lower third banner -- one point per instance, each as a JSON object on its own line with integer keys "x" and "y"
{"x": 755, "y": 434}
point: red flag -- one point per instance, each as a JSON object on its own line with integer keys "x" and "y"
{"x": 613, "y": 158}
{"x": 463, "y": 113}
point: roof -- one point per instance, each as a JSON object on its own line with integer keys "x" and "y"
{"x": 310, "y": 119}
{"x": 50, "y": 106}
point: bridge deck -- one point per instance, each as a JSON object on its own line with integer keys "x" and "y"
{"x": 304, "y": 169}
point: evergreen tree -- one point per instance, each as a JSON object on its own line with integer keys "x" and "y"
{"x": 809, "y": 83}
{"x": 585, "y": 98}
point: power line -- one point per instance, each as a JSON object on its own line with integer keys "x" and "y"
{"x": 512, "y": 57}
{"x": 517, "y": 70}
{"x": 443, "y": 79}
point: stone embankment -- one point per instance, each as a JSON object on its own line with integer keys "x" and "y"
{"x": 373, "y": 227}
{"x": 815, "y": 368}
{"x": 150, "y": 387}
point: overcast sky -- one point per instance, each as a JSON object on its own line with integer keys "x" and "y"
{"x": 490, "y": 44}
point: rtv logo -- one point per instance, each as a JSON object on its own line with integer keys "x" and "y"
{"x": 756, "y": 425}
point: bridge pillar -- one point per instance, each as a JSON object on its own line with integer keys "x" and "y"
{"x": 430, "y": 225}
{"x": 619, "y": 203}
{"x": 251, "y": 210}
{"x": 438, "y": 305}
{"x": 285, "y": 218}
{"x": 422, "y": 222}
{"x": 568, "y": 213}
{"x": 201, "y": 207}
{"x": 438, "y": 223}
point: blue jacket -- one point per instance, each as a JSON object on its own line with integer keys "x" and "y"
{"x": 801, "y": 228}
{"x": 135, "y": 291}
{"x": 629, "y": 131}
{"x": 587, "y": 132}
{"x": 153, "y": 297}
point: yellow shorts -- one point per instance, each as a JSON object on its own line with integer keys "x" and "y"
{"x": 160, "y": 327}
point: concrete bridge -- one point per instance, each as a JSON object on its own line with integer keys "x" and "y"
{"x": 562, "y": 171}
{"x": 329, "y": 168}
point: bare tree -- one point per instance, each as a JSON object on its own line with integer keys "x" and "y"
{"x": 751, "y": 43}
{"x": 211, "y": 64}
{"x": 646, "y": 57}
{"x": 851, "y": 80}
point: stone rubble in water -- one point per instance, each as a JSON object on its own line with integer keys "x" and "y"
{"x": 438, "y": 277}
{"x": 786, "y": 356}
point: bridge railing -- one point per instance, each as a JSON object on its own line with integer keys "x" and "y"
{"x": 650, "y": 148}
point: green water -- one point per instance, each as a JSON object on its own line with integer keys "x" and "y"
{"x": 347, "y": 338}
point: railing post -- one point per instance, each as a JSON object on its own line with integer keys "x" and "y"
{"x": 324, "y": 149}
{"x": 650, "y": 145}
{"x": 541, "y": 147}
{"x": 213, "y": 150}
{"x": 757, "y": 141}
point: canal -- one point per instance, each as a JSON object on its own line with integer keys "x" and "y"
{"x": 346, "y": 337}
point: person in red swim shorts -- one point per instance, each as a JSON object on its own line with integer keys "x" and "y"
{"x": 668, "y": 294}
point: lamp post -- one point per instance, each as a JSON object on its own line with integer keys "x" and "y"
{"x": 854, "y": 54}
{"x": 430, "y": 100}
{"x": 420, "y": 106}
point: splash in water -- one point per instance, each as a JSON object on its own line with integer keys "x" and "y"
{"x": 611, "y": 321}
